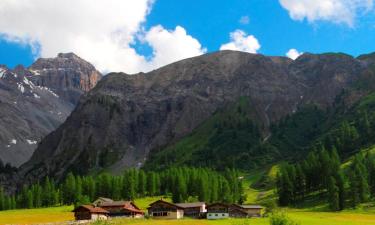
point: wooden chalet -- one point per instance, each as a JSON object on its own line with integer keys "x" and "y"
{"x": 217, "y": 211}
{"x": 90, "y": 212}
{"x": 194, "y": 209}
{"x": 165, "y": 210}
{"x": 121, "y": 208}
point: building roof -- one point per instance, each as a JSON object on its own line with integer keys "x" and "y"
{"x": 251, "y": 206}
{"x": 168, "y": 203}
{"x": 104, "y": 199}
{"x": 91, "y": 209}
{"x": 128, "y": 205}
{"x": 218, "y": 203}
{"x": 191, "y": 205}
{"x": 116, "y": 203}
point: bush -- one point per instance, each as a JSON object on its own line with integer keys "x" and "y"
{"x": 280, "y": 218}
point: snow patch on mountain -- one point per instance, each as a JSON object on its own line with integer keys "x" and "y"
{"x": 2, "y": 72}
{"x": 31, "y": 142}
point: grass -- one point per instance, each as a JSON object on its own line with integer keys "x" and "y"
{"x": 303, "y": 218}
{"x": 37, "y": 216}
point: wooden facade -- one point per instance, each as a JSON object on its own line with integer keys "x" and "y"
{"x": 89, "y": 212}
{"x": 252, "y": 210}
{"x": 165, "y": 210}
{"x": 217, "y": 211}
{"x": 194, "y": 209}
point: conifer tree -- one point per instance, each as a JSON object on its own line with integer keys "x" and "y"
{"x": 333, "y": 193}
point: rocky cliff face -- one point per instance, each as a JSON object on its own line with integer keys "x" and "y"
{"x": 126, "y": 116}
{"x": 36, "y": 100}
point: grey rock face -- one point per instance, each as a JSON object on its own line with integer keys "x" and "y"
{"x": 126, "y": 116}
{"x": 35, "y": 101}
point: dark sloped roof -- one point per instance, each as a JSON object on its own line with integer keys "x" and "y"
{"x": 190, "y": 205}
{"x": 251, "y": 206}
{"x": 218, "y": 203}
{"x": 168, "y": 203}
{"x": 105, "y": 199}
{"x": 115, "y": 203}
{"x": 92, "y": 209}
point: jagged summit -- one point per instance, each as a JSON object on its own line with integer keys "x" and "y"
{"x": 36, "y": 100}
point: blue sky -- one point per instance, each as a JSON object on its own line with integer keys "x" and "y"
{"x": 210, "y": 22}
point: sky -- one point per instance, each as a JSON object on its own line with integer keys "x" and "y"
{"x": 142, "y": 35}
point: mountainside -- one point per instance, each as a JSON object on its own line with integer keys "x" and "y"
{"x": 127, "y": 117}
{"x": 34, "y": 101}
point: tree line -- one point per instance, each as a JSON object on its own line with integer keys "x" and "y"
{"x": 321, "y": 174}
{"x": 182, "y": 184}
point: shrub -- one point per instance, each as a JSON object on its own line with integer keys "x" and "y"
{"x": 280, "y": 218}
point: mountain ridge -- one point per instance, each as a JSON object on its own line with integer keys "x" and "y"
{"x": 137, "y": 114}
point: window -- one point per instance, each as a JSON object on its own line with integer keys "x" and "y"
{"x": 216, "y": 215}
{"x": 223, "y": 214}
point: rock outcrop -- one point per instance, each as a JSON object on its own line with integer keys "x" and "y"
{"x": 34, "y": 101}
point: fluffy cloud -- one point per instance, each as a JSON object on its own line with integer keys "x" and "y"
{"x": 293, "y": 53}
{"x": 338, "y": 11}
{"x": 100, "y": 31}
{"x": 240, "y": 41}
{"x": 169, "y": 46}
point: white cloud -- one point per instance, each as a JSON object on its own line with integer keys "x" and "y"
{"x": 244, "y": 20}
{"x": 100, "y": 31}
{"x": 240, "y": 41}
{"x": 293, "y": 53}
{"x": 169, "y": 46}
{"x": 337, "y": 11}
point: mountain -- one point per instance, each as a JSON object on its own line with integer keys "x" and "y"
{"x": 34, "y": 101}
{"x": 127, "y": 119}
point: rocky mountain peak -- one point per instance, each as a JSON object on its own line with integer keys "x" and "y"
{"x": 36, "y": 100}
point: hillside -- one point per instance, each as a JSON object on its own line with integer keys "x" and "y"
{"x": 182, "y": 106}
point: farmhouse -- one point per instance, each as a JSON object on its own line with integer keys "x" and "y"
{"x": 89, "y": 212}
{"x": 217, "y": 211}
{"x": 193, "y": 210}
{"x": 165, "y": 210}
{"x": 221, "y": 210}
{"x": 121, "y": 208}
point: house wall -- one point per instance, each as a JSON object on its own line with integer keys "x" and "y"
{"x": 83, "y": 215}
{"x": 254, "y": 212}
{"x": 217, "y": 215}
{"x": 178, "y": 214}
{"x": 95, "y": 216}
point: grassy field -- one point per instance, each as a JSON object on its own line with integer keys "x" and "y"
{"x": 303, "y": 218}
{"x": 310, "y": 214}
{"x": 34, "y": 216}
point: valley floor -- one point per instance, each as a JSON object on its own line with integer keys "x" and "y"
{"x": 63, "y": 214}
